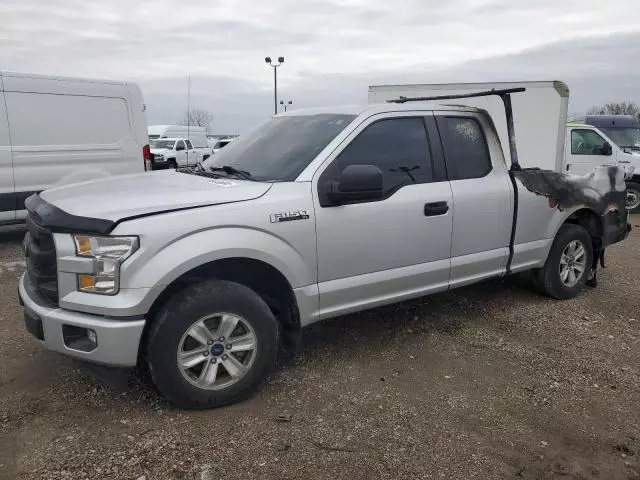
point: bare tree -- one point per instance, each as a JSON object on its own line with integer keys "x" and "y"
{"x": 621, "y": 108}
{"x": 197, "y": 117}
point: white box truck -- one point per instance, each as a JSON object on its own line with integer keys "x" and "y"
{"x": 545, "y": 139}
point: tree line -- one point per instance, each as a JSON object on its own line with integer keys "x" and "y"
{"x": 616, "y": 108}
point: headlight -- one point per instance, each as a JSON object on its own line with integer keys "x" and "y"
{"x": 108, "y": 254}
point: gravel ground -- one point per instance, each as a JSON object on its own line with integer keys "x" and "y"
{"x": 490, "y": 381}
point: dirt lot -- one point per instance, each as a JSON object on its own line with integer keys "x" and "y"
{"x": 491, "y": 381}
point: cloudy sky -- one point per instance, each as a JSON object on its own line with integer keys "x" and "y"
{"x": 333, "y": 49}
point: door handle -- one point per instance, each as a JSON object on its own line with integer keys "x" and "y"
{"x": 435, "y": 208}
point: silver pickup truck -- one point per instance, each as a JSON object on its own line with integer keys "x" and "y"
{"x": 203, "y": 276}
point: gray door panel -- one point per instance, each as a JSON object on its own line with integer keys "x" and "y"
{"x": 483, "y": 205}
{"x": 382, "y": 251}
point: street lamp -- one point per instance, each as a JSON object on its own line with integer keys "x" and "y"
{"x": 275, "y": 80}
{"x": 290, "y": 102}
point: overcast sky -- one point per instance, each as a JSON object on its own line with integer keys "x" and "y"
{"x": 333, "y": 49}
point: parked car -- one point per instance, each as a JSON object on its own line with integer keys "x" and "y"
{"x": 60, "y": 130}
{"x": 219, "y": 143}
{"x": 203, "y": 276}
{"x": 586, "y": 142}
{"x": 176, "y": 152}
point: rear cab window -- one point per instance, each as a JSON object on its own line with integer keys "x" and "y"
{"x": 465, "y": 147}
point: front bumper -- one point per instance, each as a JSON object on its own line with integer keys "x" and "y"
{"x": 118, "y": 341}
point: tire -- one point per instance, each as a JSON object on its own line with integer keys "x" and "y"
{"x": 633, "y": 197}
{"x": 548, "y": 278}
{"x": 172, "y": 164}
{"x": 169, "y": 335}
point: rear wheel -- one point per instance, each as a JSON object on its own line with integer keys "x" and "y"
{"x": 212, "y": 344}
{"x": 633, "y": 197}
{"x": 568, "y": 265}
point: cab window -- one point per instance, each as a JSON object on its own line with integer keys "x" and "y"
{"x": 586, "y": 142}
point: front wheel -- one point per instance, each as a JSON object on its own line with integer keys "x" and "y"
{"x": 633, "y": 197}
{"x": 568, "y": 265}
{"x": 212, "y": 344}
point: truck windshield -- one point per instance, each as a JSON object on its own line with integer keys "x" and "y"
{"x": 279, "y": 149}
{"x": 624, "y": 137}
{"x": 162, "y": 144}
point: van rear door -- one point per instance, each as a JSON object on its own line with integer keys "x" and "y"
{"x": 7, "y": 190}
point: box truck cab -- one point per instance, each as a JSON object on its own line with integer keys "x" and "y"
{"x": 59, "y": 130}
{"x": 594, "y": 140}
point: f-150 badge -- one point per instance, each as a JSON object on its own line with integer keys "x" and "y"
{"x": 289, "y": 216}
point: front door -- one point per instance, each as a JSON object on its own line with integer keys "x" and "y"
{"x": 181, "y": 154}
{"x": 375, "y": 252}
{"x": 191, "y": 153}
{"x": 585, "y": 151}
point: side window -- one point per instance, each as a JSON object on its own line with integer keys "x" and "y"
{"x": 398, "y": 146}
{"x": 189, "y": 146}
{"x": 586, "y": 142}
{"x": 465, "y": 148}
{"x": 180, "y": 145}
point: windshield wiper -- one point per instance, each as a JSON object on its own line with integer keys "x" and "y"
{"x": 229, "y": 170}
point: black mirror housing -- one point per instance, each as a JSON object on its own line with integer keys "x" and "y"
{"x": 606, "y": 149}
{"x": 356, "y": 183}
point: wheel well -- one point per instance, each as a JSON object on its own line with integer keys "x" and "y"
{"x": 589, "y": 220}
{"x": 262, "y": 278}
{"x": 635, "y": 179}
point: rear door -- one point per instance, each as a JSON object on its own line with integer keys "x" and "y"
{"x": 7, "y": 190}
{"x": 482, "y": 197}
{"x": 584, "y": 151}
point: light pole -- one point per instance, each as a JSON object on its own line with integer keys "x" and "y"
{"x": 290, "y": 102}
{"x": 275, "y": 80}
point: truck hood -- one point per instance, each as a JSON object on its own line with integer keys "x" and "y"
{"x": 117, "y": 198}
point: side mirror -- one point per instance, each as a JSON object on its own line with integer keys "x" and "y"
{"x": 606, "y": 149}
{"x": 356, "y": 183}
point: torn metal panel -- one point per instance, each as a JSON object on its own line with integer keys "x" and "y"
{"x": 603, "y": 191}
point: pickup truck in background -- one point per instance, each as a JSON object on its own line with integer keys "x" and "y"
{"x": 176, "y": 152}
{"x": 202, "y": 276}
{"x": 545, "y": 138}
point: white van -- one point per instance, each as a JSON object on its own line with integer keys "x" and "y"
{"x": 57, "y": 130}
{"x": 197, "y": 135}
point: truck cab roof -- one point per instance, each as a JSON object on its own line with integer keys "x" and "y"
{"x": 377, "y": 108}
